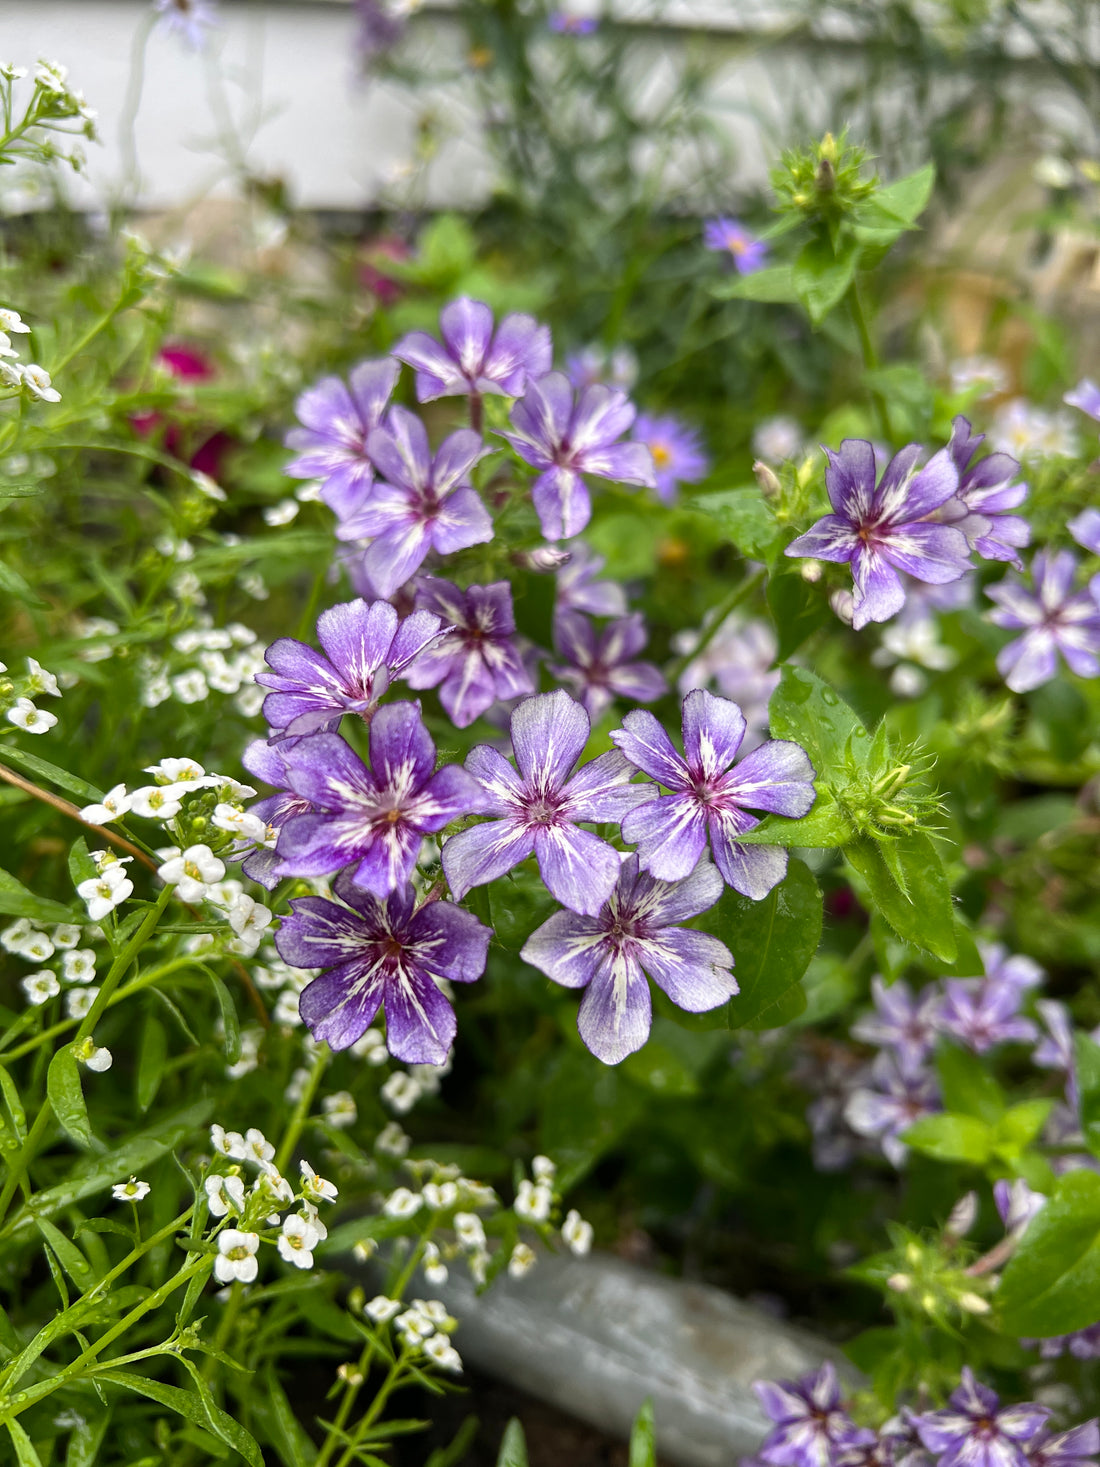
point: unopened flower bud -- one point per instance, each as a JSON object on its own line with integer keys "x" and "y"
{"x": 768, "y": 479}
{"x": 350, "y": 1374}
{"x": 901, "y": 1283}
{"x": 962, "y": 1218}
{"x": 543, "y": 558}
{"x": 356, "y": 1299}
{"x": 843, "y": 604}
{"x": 973, "y": 1304}
{"x": 826, "y": 177}
{"x": 810, "y": 570}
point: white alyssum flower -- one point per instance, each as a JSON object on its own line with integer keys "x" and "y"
{"x": 66, "y": 935}
{"x": 522, "y": 1261}
{"x": 371, "y": 1047}
{"x": 10, "y": 321}
{"x": 257, "y": 1148}
{"x": 188, "y": 774}
{"x": 79, "y": 1000}
{"x": 414, "y": 1327}
{"x": 41, "y": 681}
{"x": 157, "y": 801}
{"x": 227, "y": 1143}
{"x": 316, "y": 1187}
{"x": 248, "y": 919}
{"x": 190, "y": 687}
{"x": 103, "y": 893}
{"x": 286, "y": 1009}
{"x": 576, "y": 1233}
{"x": 34, "y": 720}
{"x": 236, "y": 1256}
{"x": 240, "y": 823}
{"x": 297, "y": 1241}
{"x": 224, "y": 1195}
{"x": 251, "y": 1041}
{"x": 281, "y": 513}
{"x": 131, "y": 1191}
{"x": 435, "y": 1270}
{"x": 340, "y": 1109}
{"x": 36, "y": 948}
{"x": 12, "y": 937}
{"x": 533, "y": 1201}
{"x": 440, "y": 1195}
{"x": 401, "y": 1092}
{"x": 115, "y": 804}
{"x": 40, "y": 987}
{"x": 440, "y": 1350}
{"x": 312, "y": 1216}
{"x": 298, "y": 1082}
{"x": 543, "y": 1169}
{"x": 469, "y": 1230}
{"x": 393, "y": 1141}
{"x": 37, "y": 382}
{"x": 364, "y": 1250}
{"x": 381, "y": 1309}
{"x": 78, "y": 965}
{"x": 93, "y": 1055}
{"x": 402, "y": 1203}
{"x": 206, "y": 485}
{"x": 192, "y": 872}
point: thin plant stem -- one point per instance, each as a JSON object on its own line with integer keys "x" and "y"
{"x": 734, "y": 599}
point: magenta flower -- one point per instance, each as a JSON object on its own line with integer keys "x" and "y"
{"x": 579, "y": 590}
{"x": 880, "y": 531}
{"x": 678, "y": 454}
{"x": 375, "y": 818}
{"x": 1053, "y": 618}
{"x": 379, "y": 953}
{"x": 900, "y": 1094}
{"x": 337, "y": 419}
{"x": 564, "y": 439}
{"x": 539, "y": 807}
{"x": 475, "y": 662}
{"x": 971, "y": 1431}
{"x": 810, "y": 1423}
{"x": 899, "y": 1021}
{"x": 473, "y": 359}
{"x": 709, "y": 798}
{"x": 986, "y": 493}
{"x": 600, "y": 666}
{"x": 365, "y": 648}
{"x": 635, "y": 933}
{"x": 980, "y": 1012}
{"x": 729, "y": 236}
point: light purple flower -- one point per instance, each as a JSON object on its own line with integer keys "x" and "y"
{"x": 365, "y": 648}
{"x": 564, "y": 439}
{"x": 337, "y": 420}
{"x": 1074, "y": 1448}
{"x": 379, "y": 27}
{"x": 901, "y": 1021}
{"x": 740, "y": 658}
{"x": 1001, "y": 966}
{"x": 579, "y": 590}
{"x": 189, "y": 19}
{"x": 810, "y": 1423}
{"x": 708, "y": 797}
{"x": 634, "y": 933}
{"x": 1082, "y": 1344}
{"x": 1053, "y": 619}
{"x": 617, "y": 368}
{"x": 1086, "y": 396}
{"x": 377, "y": 817}
{"x": 267, "y": 761}
{"x": 677, "y": 449}
{"x": 881, "y": 531}
{"x": 985, "y": 495}
{"x": 980, "y": 1013}
{"x": 424, "y": 504}
{"x": 729, "y": 236}
{"x": 472, "y": 358}
{"x": 1085, "y": 529}
{"x": 475, "y": 662}
{"x": 900, "y": 1094}
{"x": 379, "y": 953}
{"x": 1016, "y": 1203}
{"x": 569, "y": 23}
{"x": 972, "y": 1430}
{"x": 600, "y": 666}
{"x": 540, "y": 806}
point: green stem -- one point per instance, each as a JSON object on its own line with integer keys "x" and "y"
{"x": 369, "y": 1417}
{"x": 89, "y": 336}
{"x": 730, "y": 603}
{"x": 870, "y": 356}
{"x": 297, "y": 1121}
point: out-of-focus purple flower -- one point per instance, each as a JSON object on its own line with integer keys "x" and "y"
{"x": 900, "y": 1095}
{"x": 811, "y": 1426}
{"x": 730, "y": 237}
{"x": 901, "y": 1021}
{"x": 986, "y": 494}
{"x": 830, "y": 1072}
{"x": 1077, "y": 1447}
{"x": 569, "y": 23}
{"x": 379, "y": 26}
{"x": 188, "y": 19}
{"x": 881, "y": 531}
{"x": 540, "y": 805}
{"x": 424, "y": 504}
{"x": 740, "y": 658}
{"x": 475, "y": 661}
{"x": 1083, "y": 1344}
{"x": 579, "y": 590}
{"x": 564, "y": 439}
{"x": 474, "y": 359}
{"x": 980, "y": 1013}
{"x": 1017, "y": 1203}
{"x": 601, "y": 666}
{"x": 709, "y": 798}
{"x": 1055, "y": 1050}
{"x": 636, "y": 932}
{"x": 365, "y": 648}
{"x": 972, "y": 1430}
{"x": 267, "y": 761}
{"x": 1053, "y": 618}
{"x": 379, "y": 953}
{"x": 617, "y": 368}
{"x": 1085, "y": 529}
{"x": 677, "y": 450}
{"x": 1086, "y": 396}
{"x": 375, "y": 818}
{"x": 1013, "y": 969}
{"x": 337, "y": 419}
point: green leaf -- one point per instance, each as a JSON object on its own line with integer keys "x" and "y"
{"x": 773, "y": 285}
{"x": 904, "y": 200}
{"x": 513, "y": 1446}
{"x": 81, "y": 865}
{"x": 643, "y": 1438}
{"x": 922, "y": 913}
{"x": 291, "y": 1440}
{"x": 1020, "y": 1125}
{"x": 823, "y": 828}
{"x": 797, "y": 608}
{"x": 198, "y": 1407}
{"x": 85, "y": 1441}
{"x": 742, "y": 516}
{"x": 821, "y": 274}
{"x": 80, "y": 789}
{"x": 1087, "y": 1053}
{"x": 968, "y": 1087}
{"x": 806, "y": 709}
{"x": 230, "y": 1023}
{"x": 14, "y": 1104}
{"x": 951, "y": 1138}
{"x": 25, "y": 1453}
{"x": 67, "y": 1097}
{"x": 152, "y": 1053}
{"x": 17, "y": 900}
{"x": 68, "y": 1255}
{"x": 1052, "y": 1283}
{"x": 772, "y": 942}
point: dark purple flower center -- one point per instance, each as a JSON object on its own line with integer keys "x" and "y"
{"x": 544, "y": 810}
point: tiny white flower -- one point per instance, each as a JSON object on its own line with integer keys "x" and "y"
{"x": 51, "y": 76}
{"x": 236, "y": 1256}
{"x": 414, "y": 1327}
{"x": 371, "y": 1047}
{"x": 435, "y": 1270}
{"x": 190, "y": 687}
{"x": 576, "y": 1233}
{"x": 66, "y": 935}
{"x": 157, "y": 802}
{"x": 37, "y": 382}
{"x": 392, "y": 1141}
{"x": 6, "y": 348}
{"x": 316, "y": 1187}
{"x": 254, "y": 585}
{"x": 192, "y": 872}
{"x": 103, "y": 893}
{"x": 533, "y": 1202}
{"x": 286, "y": 1009}
{"x": 340, "y": 1109}
{"x": 543, "y": 1169}
{"x": 114, "y": 805}
{"x": 78, "y": 965}
{"x": 522, "y": 1261}
{"x": 131, "y": 1191}
{"x": 36, "y": 948}
{"x": 401, "y": 1092}
{"x": 478, "y": 1264}
{"x": 248, "y": 917}
{"x": 439, "y": 1349}
{"x": 310, "y": 492}
{"x": 281, "y": 513}
{"x": 228, "y": 1143}
{"x": 12, "y": 937}
{"x": 251, "y": 1041}
{"x": 10, "y": 320}
{"x": 25, "y": 715}
{"x": 40, "y": 987}
{"x": 298, "y": 1081}
{"x": 79, "y": 1000}
{"x": 364, "y": 1250}
{"x": 297, "y": 1241}
{"x": 469, "y": 1230}
{"x": 312, "y": 1216}
{"x": 381, "y": 1309}
{"x": 187, "y": 774}
{"x": 206, "y": 485}
{"x": 92, "y": 1055}
{"x": 257, "y": 1147}
{"x": 42, "y": 681}
{"x": 402, "y": 1203}
{"x": 224, "y": 1194}
{"x": 440, "y": 1195}
{"x": 240, "y": 823}
{"x": 10, "y": 374}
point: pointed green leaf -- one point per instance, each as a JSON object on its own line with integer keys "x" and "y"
{"x": 821, "y": 274}
{"x": 1052, "y": 1283}
{"x": 17, "y": 900}
{"x": 152, "y": 1054}
{"x": 198, "y": 1407}
{"x": 922, "y": 913}
{"x": 951, "y": 1138}
{"x": 67, "y": 1096}
{"x": 773, "y": 285}
{"x": 643, "y": 1437}
{"x": 513, "y": 1446}
{"x": 806, "y": 709}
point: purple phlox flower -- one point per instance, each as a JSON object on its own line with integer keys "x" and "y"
{"x": 1017, "y": 1203}
{"x": 986, "y": 494}
{"x": 579, "y": 590}
{"x": 740, "y": 658}
{"x": 472, "y": 358}
{"x": 600, "y": 666}
{"x": 881, "y": 531}
{"x": 379, "y": 27}
{"x": 830, "y": 1071}
{"x": 900, "y": 1094}
{"x": 709, "y": 798}
{"x": 972, "y": 1430}
{"x": 899, "y": 1435}
{"x": 267, "y": 761}
{"x": 376, "y": 817}
{"x": 189, "y": 19}
{"x": 878, "y": 1452}
{"x": 1017, "y": 971}
{"x": 569, "y": 23}
{"x": 926, "y": 600}
{"x": 811, "y": 1426}
{"x": 677, "y": 450}
{"x": 617, "y": 368}
{"x": 1053, "y": 619}
{"x": 564, "y": 439}
{"x": 1085, "y": 529}
{"x": 539, "y": 806}
{"x": 901, "y": 1021}
{"x": 1055, "y": 1050}
{"x": 337, "y": 419}
{"x": 1086, "y": 396}
{"x": 730, "y": 237}
{"x": 982, "y": 1012}
{"x": 1074, "y": 1448}
{"x": 365, "y": 648}
{"x": 1082, "y": 1344}
{"x": 635, "y": 933}
{"x": 476, "y": 660}
{"x": 424, "y": 504}
{"x": 377, "y": 953}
